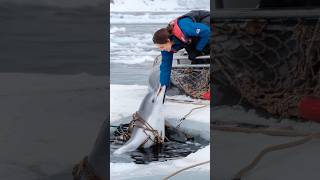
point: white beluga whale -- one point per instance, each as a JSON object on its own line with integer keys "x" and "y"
{"x": 148, "y": 126}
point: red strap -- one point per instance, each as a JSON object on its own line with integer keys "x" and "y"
{"x": 176, "y": 31}
{"x": 309, "y": 107}
{"x": 206, "y": 95}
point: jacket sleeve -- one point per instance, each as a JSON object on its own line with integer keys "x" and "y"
{"x": 165, "y": 68}
{"x": 192, "y": 29}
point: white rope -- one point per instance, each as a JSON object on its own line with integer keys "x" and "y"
{"x": 186, "y": 168}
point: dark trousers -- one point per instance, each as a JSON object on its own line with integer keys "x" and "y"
{"x": 206, "y": 51}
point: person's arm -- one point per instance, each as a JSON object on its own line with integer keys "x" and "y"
{"x": 192, "y": 29}
{"x": 165, "y": 68}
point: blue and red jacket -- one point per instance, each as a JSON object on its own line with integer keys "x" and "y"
{"x": 189, "y": 29}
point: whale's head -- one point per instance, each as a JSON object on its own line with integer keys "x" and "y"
{"x": 152, "y": 102}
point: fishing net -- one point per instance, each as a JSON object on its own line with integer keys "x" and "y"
{"x": 193, "y": 80}
{"x": 271, "y": 63}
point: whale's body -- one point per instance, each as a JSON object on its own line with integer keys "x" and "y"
{"x": 151, "y": 111}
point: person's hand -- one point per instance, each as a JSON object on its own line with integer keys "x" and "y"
{"x": 192, "y": 55}
{"x": 159, "y": 90}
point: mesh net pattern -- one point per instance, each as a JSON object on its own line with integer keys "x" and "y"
{"x": 194, "y": 80}
{"x": 272, "y": 63}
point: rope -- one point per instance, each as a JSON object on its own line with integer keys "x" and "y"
{"x": 185, "y": 101}
{"x": 188, "y": 114}
{"x": 147, "y": 127}
{"x": 158, "y": 139}
{"x": 183, "y": 169}
{"x": 83, "y": 170}
{"x": 126, "y": 134}
{"x": 270, "y": 132}
{"x": 273, "y": 132}
{"x": 269, "y": 149}
{"x": 194, "y": 165}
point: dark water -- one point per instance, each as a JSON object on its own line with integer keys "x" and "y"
{"x": 177, "y": 146}
{"x": 129, "y": 73}
{"x": 168, "y": 151}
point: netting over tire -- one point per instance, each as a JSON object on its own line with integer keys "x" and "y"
{"x": 272, "y": 63}
{"x": 194, "y": 80}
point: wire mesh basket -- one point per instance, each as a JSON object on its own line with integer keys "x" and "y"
{"x": 193, "y": 79}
